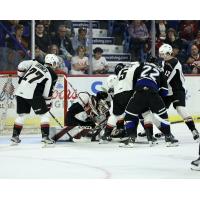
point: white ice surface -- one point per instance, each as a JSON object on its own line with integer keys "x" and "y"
{"x": 84, "y": 159}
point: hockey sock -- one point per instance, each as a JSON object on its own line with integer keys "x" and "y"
{"x": 165, "y": 129}
{"x": 120, "y": 124}
{"x": 108, "y": 130}
{"x": 131, "y": 123}
{"x": 17, "y": 130}
{"x": 149, "y": 131}
{"x": 45, "y": 130}
{"x": 190, "y": 123}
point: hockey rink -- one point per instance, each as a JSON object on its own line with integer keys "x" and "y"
{"x": 86, "y": 160}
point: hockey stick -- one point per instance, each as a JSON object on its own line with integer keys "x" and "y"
{"x": 180, "y": 121}
{"x": 60, "y": 124}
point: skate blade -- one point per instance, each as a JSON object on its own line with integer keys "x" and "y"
{"x": 103, "y": 142}
{"x": 45, "y": 145}
{"x": 152, "y": 144}
{"x": 172, "y": 144}
{"x": 126, "y": 145}
{"x": 197, "y": 140}
{"x": 123, "y": 139}
{"x": 14, "y": 144}
{"x": 195, "y": 168}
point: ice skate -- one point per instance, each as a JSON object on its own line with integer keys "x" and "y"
{"x": 129, "y": 143}
{"x": 151, "y": 140}
{"x": 105, "y": 139}
{"x": 195, "y": 165}
{"x": 48, "y": 142}
{"x": 195, "y": 134}
{"x": 171, "y": 141}
{"x": 15, "y": 140}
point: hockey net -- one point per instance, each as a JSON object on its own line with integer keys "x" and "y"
{"x": 8, "y": 85}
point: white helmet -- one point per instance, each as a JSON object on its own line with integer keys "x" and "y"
{"x": 111, "y": 81}
{"x": 52, "y": 59}
{"x": 165, "y": 50}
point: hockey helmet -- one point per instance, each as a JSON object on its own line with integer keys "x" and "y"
{"x": 165, "y": 50}
{"x": 52, "y": 59}
{"x": 119, "y": 67}
{"x": 152, "y": 59}
{"x": 101, "y": 95}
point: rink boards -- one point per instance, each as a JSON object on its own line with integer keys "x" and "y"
{"x": 91, "y": 84}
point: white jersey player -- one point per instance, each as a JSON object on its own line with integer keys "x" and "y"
{"x": 177, "y": 93}
{"x": 123, "y": 90}
{"x": 36, "y": 83}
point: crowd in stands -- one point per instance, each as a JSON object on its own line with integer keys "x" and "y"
{"x": 58, "y": 37}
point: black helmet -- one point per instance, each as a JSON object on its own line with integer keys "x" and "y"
{"x": 152, "y": 59}
{"x": 101, "y": 95}
{"x": 119, "y": 67}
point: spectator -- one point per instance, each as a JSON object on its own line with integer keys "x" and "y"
{"x": 99, "y": 63}
{"x": 139, "y": 35}
{"x": 197, "y": 40}
{"x": 172, "y": 39}
{"x": 80, "y": 62}
{"x": 63, "y": 42}
{"x": 10, "y": 26}
{"x": 188, "y": 29}
{"x": 42, "y": 40}
{"x": 39, "y": 55}
{"x": 46, "y": 24}
{"x": 194, "y": 59}
{"x": 54, "y": 26}
{"x": 53, "y": 49}
{"x": 119, "y": 27}
{"x": 161, "y": 27}
{"x": 80, "y": 39}
{"x": 19, "y": 40}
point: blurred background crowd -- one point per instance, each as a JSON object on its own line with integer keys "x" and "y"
{"x": 94, "y": 47}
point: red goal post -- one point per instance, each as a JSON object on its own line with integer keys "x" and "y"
{"x": 8, "y": 85}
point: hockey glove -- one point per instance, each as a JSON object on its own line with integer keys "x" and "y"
{"x": 49, "y": 104}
